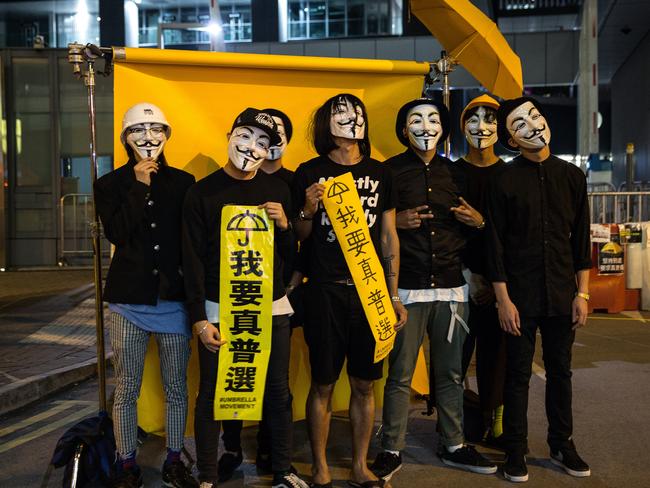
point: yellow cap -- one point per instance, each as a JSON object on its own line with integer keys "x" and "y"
{"x": 484, "y": 100}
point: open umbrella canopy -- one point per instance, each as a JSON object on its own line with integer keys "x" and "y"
{"x": 473, "y": 40}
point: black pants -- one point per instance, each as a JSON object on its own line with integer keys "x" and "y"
{"x": 490, "y": 341}
{"x": 277, "y": 405}
{"x": 557, "y": 340}
{"x": 232, "y": 436}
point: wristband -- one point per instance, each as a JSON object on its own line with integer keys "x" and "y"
{"x": 395, "y": 299}
{"x": 202, "y": 329}
{"x": 303, "y": 216}
{"x": 583, "y": 295}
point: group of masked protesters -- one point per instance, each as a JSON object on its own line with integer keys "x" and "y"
{"x": 478, "y": 255}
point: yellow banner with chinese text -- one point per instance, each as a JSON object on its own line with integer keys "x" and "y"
{"x": 343, "y": 207}
{"x": 245, "y": 312}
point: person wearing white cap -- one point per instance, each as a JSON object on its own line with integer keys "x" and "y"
{"x": 139, "y": 205}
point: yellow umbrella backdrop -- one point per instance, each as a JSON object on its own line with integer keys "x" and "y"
{"x": 201, "y": 93}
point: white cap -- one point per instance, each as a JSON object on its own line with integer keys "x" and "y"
{"x": 144, "y": 113}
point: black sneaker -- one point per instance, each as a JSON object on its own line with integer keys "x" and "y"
{"x": 128, "y": 478}
{"x": 228, "y": 463}
{"x": 494, "y": 442}
{"x": 263, "y": 463}
{"x": 386, "y": 465}
{"x": 177, "y": 475}
{"x": 288, "y": 480}
{"x": 469, "y": 459}
{"x": 570, "y": 461}
{"x": 515, "y": 469}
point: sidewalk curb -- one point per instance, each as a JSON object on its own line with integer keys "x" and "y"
{"x": 29, "y": 390}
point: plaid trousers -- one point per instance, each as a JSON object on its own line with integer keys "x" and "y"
{"x": 129, "y": 344}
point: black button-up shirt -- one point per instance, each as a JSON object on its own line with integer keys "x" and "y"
{"x": 430, "y": 256}
{"x": 538, "y": 224}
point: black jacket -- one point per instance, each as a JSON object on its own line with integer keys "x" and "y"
{"x": 431, "y": 255}
{"x": 144, "y": 224}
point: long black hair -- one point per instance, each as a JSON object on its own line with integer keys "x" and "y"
{"x": 321, "y": 135}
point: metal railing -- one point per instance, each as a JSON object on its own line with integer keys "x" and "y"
{"x": 618, "y": 207}
{"x": 75, "y": 228}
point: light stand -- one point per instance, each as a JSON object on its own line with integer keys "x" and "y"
{"x": 83, "y": 60}
{"x": 442, "y": 68}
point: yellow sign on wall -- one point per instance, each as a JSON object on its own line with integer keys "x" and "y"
{"x": 343, "y": 207}
{"x": 245, "y": 312}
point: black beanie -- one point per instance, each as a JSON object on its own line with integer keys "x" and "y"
{"x": 288, "y": 128}
{"x": 506, "y": 107}
{"x": 400, "y": 121}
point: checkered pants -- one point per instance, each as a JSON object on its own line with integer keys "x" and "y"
{"x": 129, "y": 344}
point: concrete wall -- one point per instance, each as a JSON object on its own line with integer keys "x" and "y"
{"x": 548, "y": 58}
{"x": 631, "y": 112}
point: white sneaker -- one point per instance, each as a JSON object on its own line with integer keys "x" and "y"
{"x": 288, "y": 480}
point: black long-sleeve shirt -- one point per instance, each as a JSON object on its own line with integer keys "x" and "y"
{"x": 202, "y": 232}
{"x": 431, "y": 255}
{"x": 538, "y": 224}
{"x": 478, "y": 178}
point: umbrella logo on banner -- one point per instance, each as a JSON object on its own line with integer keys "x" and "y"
{"x": 337, "y": 190}
{"x": 247, "y": 222}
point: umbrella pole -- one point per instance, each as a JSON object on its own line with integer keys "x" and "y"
{"x": 78, "y": 55}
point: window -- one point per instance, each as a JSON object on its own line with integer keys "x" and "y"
{"x": 312, "y": 19}
{"x": 235, "y": 19}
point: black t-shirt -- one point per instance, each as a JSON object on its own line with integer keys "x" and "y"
{"x": 377, "y": 193}
{"x": 286, "y": 175}
{"x": 477, "y": 179}
{"x": 204, "y": 202}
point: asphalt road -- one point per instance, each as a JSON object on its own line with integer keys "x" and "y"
{"x": 611, "y": 417}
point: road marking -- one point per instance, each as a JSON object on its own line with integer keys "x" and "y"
{"x": 36, "y": 418}
{"x": 634, "y": 314}
{"x": 10, "y": 377}
{"x": 624, "y": 319}
{"x": 85, "y": 412}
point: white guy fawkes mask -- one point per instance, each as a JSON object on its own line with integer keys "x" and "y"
{"x": 347, "y": 120}
{"x": 147, "y": 140}
{"x": 481, "y": 128}
{"x": 527, "y": 127}
{"x": 423, "y": 127}
{"x": 248, "y": 147}
{"x": 276, "y": 152}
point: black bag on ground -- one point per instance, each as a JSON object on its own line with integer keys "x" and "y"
{"x": 87, "y": 450}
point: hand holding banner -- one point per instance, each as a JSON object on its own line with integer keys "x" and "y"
{"x": 245, "y": 312}
{"x": 343, "y": 207}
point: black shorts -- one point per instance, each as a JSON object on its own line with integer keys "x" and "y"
{"x": 335, "y": 329}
